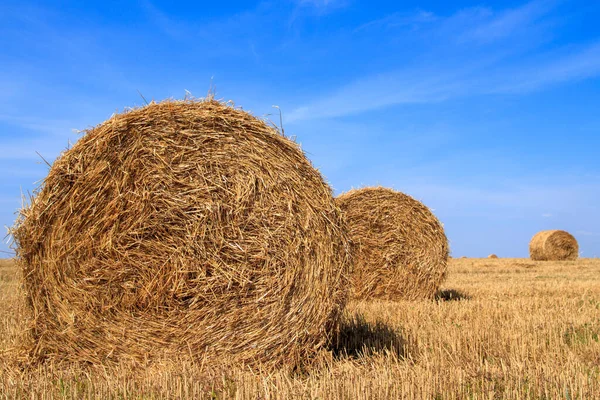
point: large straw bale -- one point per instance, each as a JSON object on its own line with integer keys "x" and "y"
{"x": 401, "y": 251}
{"x": 553, "y": 245}
{"x": 183, "y": 228}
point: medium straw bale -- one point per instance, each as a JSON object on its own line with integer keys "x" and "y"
{"x": 401, "y": 251}
{"x": 183, "y": 228}
{"x": 553, "y": 245}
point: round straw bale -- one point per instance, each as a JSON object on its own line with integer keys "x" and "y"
{"x": 401, "y": 251}
{"x": 492, "y": 256}
{"x": 183, "y": 228}
{"x": 553, "y": 245}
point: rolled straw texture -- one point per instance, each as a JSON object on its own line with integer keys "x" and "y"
{"x": 553, "y": 245}
{"x": 183, "y": 229}
{"x": 401, "y": 251}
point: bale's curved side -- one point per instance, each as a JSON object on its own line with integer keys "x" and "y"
{"x": 184, "y": 228}
{"x": 492, "y": 256}
{"x": 553, "y": 245}
{"x": 401, "y": 251}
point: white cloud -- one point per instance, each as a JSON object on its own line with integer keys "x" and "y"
{"x": 169, "y": 26}
{"x": 400, "y": 87}
{"x": 47, "y": 137}
{"x": 322, "y": 3}
{"x": 430, "y": 85}
{"x": 496, "y": 26}
{"x": 397, "y": 20}
{"x": 440, "y": 74}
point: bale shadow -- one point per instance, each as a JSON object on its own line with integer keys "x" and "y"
{"x": 451, "y": 295}
{"x": 359, "y": 338}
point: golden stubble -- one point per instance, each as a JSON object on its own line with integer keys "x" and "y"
{"x": 498, "y": 329}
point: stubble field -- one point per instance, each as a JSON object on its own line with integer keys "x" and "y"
{"x": 500, "y": 328}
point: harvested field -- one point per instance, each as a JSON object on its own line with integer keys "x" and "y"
{"x": 499, "y": 329}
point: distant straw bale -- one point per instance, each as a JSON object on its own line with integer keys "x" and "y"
{"x": 183, "y": 228}
{"x": 553, "y": 245}
{"x": 401, "y": 251}
{"x": 492, "y": 256}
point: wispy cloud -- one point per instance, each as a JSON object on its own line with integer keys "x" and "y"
{"x": 35, "y": 136}
{"x": 469, "y": 26}
{"x": 323, "y": 4}
{"x": 397, "y": 20}
{"x": 168, "y": 25}
{"x": 573, "y": 66}
{"x": 55, "y": 127}
{"x": 312, "y": 8}
{"x": 495, "y": 26}
{"x": 403, "y": 87}
{"x": 471, "y": 72}
{"x": 33, "y": 150}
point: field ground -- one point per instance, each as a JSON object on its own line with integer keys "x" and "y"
{"x": 501, "y": 328}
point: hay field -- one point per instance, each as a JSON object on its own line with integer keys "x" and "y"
{"x": 502, "y": 328}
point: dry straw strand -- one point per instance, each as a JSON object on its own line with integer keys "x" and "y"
{"x": 401, "y": 251}
{"x": 553, "y": 245}
{"x": 183, "y": 228}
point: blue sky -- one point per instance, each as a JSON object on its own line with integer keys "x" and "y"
{"x": 487, "y": 111}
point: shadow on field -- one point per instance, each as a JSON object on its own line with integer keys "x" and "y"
{"x": 360, "y": 338}
{"x": 451, "y": 295}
